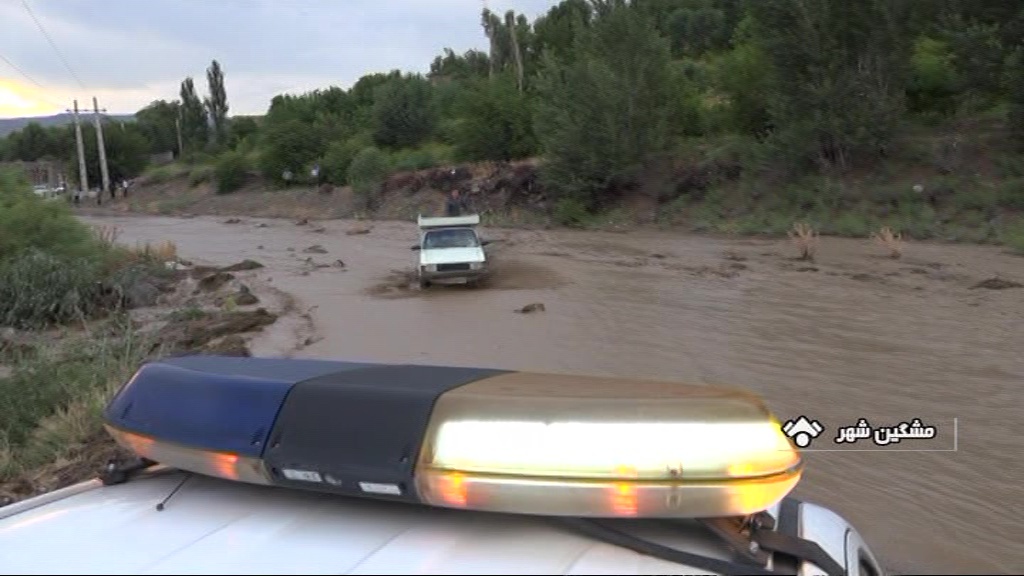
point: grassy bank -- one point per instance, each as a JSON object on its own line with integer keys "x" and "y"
{"x": 50, "y": 405}
{"x": 66, "y": 340}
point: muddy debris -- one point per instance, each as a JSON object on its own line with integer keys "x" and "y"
{"x": 214, "y": 282}
{"x": 315, "y": 249}
{"x": 244, "y": 297}
{"x": 807, "y": 269}
{"x": 302, "y": 222}
{"x": 997, "y": 283}
{"x": 530, "y": 308}
{"x": 233, "y": 221}
{"x": 319, "y": 230}
{"x": 195, "y": 333}
{"x": 311, "y": 340}
{"x": 358, "y": 231}
{"x": 242, "y": 266}
{"x": 339, "y": 263}
{"x": 865, "y": 277}
{"x": 262, "y": 225}
{"x": 231, "y": 345}
{"x": 735, "y": 257}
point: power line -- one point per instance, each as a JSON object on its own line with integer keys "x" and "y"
{"x": 52, "y": 43}
{"x": 30, "y": 79}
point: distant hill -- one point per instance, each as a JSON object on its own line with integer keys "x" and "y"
{"x": 8, "y": 125}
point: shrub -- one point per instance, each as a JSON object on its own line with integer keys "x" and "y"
{"x": 200, "y": 174}
{"x": 420, "y": 158}
{"x": 805, "y": 239}
{"x": 1013, "y": 237}
{"x": 571, "y": 212}
{"x": 231, "y": 172}
{"x": 891, "y": 241}
{"x": 29, "y": 222}
{"x": 338, "y": 158}
{"x": 38, "y": 289}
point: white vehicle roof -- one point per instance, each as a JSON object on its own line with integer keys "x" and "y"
{"x": 213, "y": 526}
{"x": 448, "y": 221}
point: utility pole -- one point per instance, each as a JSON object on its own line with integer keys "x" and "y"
{"x": 83, "y": 178}
{"x": 102, "y": 148}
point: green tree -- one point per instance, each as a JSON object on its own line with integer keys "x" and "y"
{"x": 33, "y": 142}
{"x": 744, "y": 76}
{"x": 556, "y": 31}
{"x": 194, "y": 128}
{"x": 231, "y": 171}
{"x": 157, "y": 122}
{"x": 839, "y": 76}
{"x": 471, "y": 64}
{"x": 694, "y": 31}
{"x": 367, "y": 173}
{"x": 495, "y": 122}
{"x": 217, "y": 102}
{"x": 603, "y": 115}
{"x": 404, "y": 115}
{"x": 933, "y": 82}
{"x": 127, "y": 151}
{"x": 287, "y": 145}
{"x": 338, "y": 158}
{"x": 1015, "y": 87}
{"x": 240, "y": 128}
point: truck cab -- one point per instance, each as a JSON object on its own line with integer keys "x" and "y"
{"x": 450, "y": 251}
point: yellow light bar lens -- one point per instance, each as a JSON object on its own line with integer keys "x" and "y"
{"x": 582, "y": 446}
{"x": 677, "y": 450}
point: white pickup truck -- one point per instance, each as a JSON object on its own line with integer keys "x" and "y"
{"x": 450, "y": 251}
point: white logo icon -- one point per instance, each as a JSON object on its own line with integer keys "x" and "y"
{"x": 802, "y": 430}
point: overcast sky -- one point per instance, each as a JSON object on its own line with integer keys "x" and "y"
{"x": 128, "y": 53}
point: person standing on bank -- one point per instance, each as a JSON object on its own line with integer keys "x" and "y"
{"x": 455, "y": 205}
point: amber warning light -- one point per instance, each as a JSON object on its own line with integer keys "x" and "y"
{"x": 514, "y": 442}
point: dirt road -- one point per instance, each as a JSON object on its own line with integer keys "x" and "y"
{"x": 854, "y": 335}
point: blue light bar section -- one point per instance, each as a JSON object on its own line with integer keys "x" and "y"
{"x": 221, "y": 403}
{"x": 220, "y": 412}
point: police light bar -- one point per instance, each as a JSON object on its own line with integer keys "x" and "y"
{"x": 478, "y": 439}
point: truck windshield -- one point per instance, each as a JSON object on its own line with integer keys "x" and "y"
{"x": 451, "y": 238}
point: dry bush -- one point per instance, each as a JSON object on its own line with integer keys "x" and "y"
{"x": 891, "y": 241}
{"x": 107, "y": 235}
{"x": 805, "y": 239}
{"x": 166, "y": 251}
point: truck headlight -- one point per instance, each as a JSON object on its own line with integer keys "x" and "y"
{"x": 476, "y": 265}
{"x": 430, "y": 268}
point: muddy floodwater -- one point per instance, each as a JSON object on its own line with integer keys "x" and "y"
{"x": 853, "y": 335}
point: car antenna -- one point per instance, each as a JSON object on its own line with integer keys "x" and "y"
{"x": 162, "y": 504}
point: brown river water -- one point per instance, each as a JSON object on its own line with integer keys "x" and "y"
{"x": 854, "y": 335}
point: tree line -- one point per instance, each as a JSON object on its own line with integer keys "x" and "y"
{"x": 608, "y": 92}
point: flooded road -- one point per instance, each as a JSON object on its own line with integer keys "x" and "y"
{"x": 853, "y": 335}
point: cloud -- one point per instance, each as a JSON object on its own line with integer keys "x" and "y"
{"x": 130, "y": 52}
